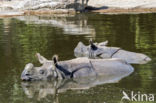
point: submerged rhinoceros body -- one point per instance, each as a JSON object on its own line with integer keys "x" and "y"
{"x": 76, "y": 68}
{"x": 100, "y": 50}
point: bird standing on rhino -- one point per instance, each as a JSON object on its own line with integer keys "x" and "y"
{"x": 101, "y": 50}
{"x": 81, "y": 67}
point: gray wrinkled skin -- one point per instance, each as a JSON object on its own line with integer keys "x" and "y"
{"x": 106, "y": 52}
{"x": 83, "y": 67}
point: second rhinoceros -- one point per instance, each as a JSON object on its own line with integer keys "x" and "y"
{"x": 81, "y": 67}
{"x": 100, "y": 50}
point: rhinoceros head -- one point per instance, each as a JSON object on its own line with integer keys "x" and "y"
{"x": 45, "y": 72}
{"x": 94, "y": 50}
{"x": 100, "y": 50}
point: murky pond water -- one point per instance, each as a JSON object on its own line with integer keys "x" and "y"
{"x": 22, "y": 37}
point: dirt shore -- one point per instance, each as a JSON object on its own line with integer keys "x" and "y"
{"x": 38, "y": 7}
{"x": 102, "y": 11}
{"x": 124, "y": 6}
{"x": 125, "y": 11}
{"x": 35, "y": 12}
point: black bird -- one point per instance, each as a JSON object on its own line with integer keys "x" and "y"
{"x": 92, "y": 45}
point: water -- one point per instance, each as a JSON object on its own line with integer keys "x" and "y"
{"x": 22, "y": 37}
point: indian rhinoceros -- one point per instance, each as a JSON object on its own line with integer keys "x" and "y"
{"x": 100, "y": 50}
{"x": 76, "y": 68}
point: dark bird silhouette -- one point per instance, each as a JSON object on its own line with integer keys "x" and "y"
{"x": 92, "y": 45}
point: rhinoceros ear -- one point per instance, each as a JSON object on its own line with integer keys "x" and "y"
{"x": 41, "y": 59}
{"x": 103, "y": 43}
{"x": 80, "y": 46}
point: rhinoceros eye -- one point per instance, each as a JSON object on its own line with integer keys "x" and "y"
{"x": 41, "y": 71}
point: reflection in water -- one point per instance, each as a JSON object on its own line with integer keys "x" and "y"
{"x": 6, "y": 25}
{"x": 69, "y": 26}
{"x": 41, "y": 89}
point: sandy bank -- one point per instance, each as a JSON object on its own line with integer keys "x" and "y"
{"x": 124, "y": 6}
{"x": 125, "y": 11}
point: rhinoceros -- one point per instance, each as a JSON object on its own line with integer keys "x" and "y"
{"x": 81, "y": 67}
{"x": 101, "y": 50}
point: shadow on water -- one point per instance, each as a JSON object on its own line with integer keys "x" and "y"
{"x": 22, "y": 37}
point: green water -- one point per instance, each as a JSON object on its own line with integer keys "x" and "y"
{"x": 22, "y": 37}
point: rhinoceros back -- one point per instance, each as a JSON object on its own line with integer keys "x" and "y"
{"x": 114, "y": 66}
{"x": 132, "y": 57}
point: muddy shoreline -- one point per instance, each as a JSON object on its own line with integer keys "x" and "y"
{"x": 64, "y": 11}
{"x": 48, "y": 7}
{"x": 126, "y": 11}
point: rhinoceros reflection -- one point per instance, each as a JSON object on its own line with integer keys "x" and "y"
{"x": 110, "y": 69}
{"x": 100, "y": 50}
{"x": 50, "y": 89}
{"x": 42, "y": 88}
